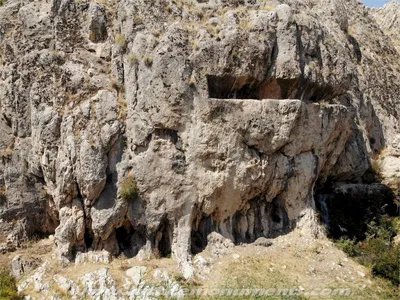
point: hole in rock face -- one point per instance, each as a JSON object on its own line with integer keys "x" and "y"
{"x": 167, "y": 134}
{"x": 200, "y": 231}
{"x": 163, "y": 239}
{"x": 89, "y": 238}
{"x": 279, "y": 220}
{"x": 229, "y": 87}
{"x": 261, "y": 218}
{"x": 247, "y": 87}
{"x": 123, "y": 235}
{"x": 130, "y": 240}
{"x": 347, "y": 209}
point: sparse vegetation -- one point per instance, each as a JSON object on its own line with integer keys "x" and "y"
{"x": 376, "y": 165}
{"x": 350, "y": 247}
{"x": 137, "y": 20}
{"x": 117, "y": 86}
{"x": 133, "y": 59}
{"x": 128, "y": 189}
{"x": 246, "y": 25}
{"x": 268, "y": 7}
{"x": 377, "y": 251}
{"x": 120, "y": 40}
{"x": 387, "y": 264}
{"x": 6, "y": 153}
{"x": 212, "y": 30}
{"x": 148, "y": 61}
{"x": 2, "y": 2}
{"x": 122, "y": 108}
{"x": 8, "y": 288}
{"x": 377, "y": 162}
{"x": 194, "y": 44}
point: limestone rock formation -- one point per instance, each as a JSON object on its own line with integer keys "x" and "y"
{"x": 142, "y": 125}
{"x": 388, "y": 19}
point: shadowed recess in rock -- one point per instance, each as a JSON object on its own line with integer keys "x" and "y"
{"x": 162, "y": 239}
{"x": 347, "y": 208}
{"x": 247, "y": 87}
{"x": 260, "y": 219}
{"x": 130, "y": 240}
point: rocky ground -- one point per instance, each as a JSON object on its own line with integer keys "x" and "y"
{"x": 291, "y": 261}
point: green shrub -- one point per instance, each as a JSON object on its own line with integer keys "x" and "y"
{"x": 2, "y": 2}
{"x": 387, "y": 265}
{"x": 385, "y": 228}
{"x": 128, "y": 189}
{"x": 377, "y": 251}
{"x": 350, "y": 247}
{"x": 8, "y": 288}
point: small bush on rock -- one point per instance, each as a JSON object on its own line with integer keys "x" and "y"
{"x": 128, "y": 189}
{"x": 387, "y": 265}
{"x": 350, "y": 247}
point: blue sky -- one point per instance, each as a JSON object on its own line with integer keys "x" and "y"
{"x": 375, "y": 3}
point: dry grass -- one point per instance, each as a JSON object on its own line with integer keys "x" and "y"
{"x": 122, "y": 108}
{"x": 128, "y": 189}
{"x": 133, "y": 59}
{"x": 295, "y": 261}
{"x": 212, "y": 30}
{"x": 120, "y": 40}
{"x": 377, "y": 163}
{"x": 292, "y": 261}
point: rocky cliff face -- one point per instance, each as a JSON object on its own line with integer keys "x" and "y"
{"x": 388, "y": 18}
{"x": 142, "y": 126}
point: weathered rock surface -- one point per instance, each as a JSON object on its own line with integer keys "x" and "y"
{"x": 21, "y": 265}
{"x": 263, "y": 242}
{"x": 103, "y": 257}
{"x": 226, "y": 114}
{"x": 388, "y": 19}
{"x": 136, "y": 274}
{"x": 218, "y": 245}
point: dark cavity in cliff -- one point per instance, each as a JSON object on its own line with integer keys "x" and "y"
{"x": 247, "y": 87}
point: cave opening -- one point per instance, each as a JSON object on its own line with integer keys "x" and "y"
{"x": 88, "y": 238}
{"x": 261, "y": 218}
{"x": 162, "y": 240}
{"x": 247, "y": 87}
{"x": 278, "y": 218}
{"x": 346, "y": 209}
{"x": 201, "y": 228}
{"x": 123, "y": 235}
{"x": 130, "y": 239}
